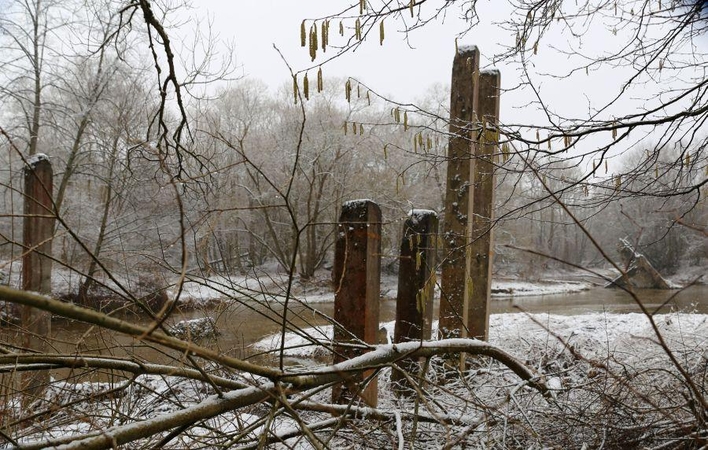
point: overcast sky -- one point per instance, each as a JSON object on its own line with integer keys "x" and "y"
{"x": 395, "y": 68}
{"x": 404, "y": 69}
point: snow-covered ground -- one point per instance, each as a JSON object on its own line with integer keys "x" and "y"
{"x": 63, "y": 280}
{"x": 600, "y": 367}
{"x": 268, "y": 283}
{"x": 320, "y": 290}
{"x": 255, "y": 285}
{"x": 516, "y": 288}
{"x": 609, "y": 380}
{"x": 589, "y": 332}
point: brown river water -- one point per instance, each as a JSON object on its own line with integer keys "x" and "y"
{"x": 244, "y": 323}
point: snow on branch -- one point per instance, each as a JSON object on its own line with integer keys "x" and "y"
{"x": 388, "y": 354}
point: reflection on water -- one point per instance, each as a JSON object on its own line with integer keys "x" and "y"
{"x": 692, "y": 299}
{"x": 244, "y": 323}
{"x": 242, "y": 326}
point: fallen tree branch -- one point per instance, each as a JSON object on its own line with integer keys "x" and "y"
{"x": 384, "y": 355}
{"x": 36, "y": 361}
{"x": 280, "y": 382}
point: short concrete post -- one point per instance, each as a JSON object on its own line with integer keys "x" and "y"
{"x": 357, "y": 284}
{"x": 480, "y": 248}
{"x": 37, "y": 231}
{"x": 463, "y": 104}
{"x": 416, "y": 283}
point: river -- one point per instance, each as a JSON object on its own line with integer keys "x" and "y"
{"x": 244, "y": 323}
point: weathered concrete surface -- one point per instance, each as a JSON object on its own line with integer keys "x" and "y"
{"x": 357, "y": 285}
{"x": 481, "y": 209}
{"x": 460, "y": 166}
{"x": 37, "y": 236}
{"x": 416, "y": 283}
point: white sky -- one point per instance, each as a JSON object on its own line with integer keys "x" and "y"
{"x": 405, "y": 71}
{"x": 394, "y": 68}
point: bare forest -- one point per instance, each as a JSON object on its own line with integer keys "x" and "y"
{"x": 182, "y": 189}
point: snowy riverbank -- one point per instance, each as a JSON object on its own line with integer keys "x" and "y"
{"x": 320, "y": 290}
{"x": 267, "y": 284}
{"x": 611, "y": 384}
{"x": 610, "y": 380}
{"x": 590, "y": 334}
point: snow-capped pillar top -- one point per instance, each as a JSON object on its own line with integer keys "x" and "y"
{"x": 35, "y": 159}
